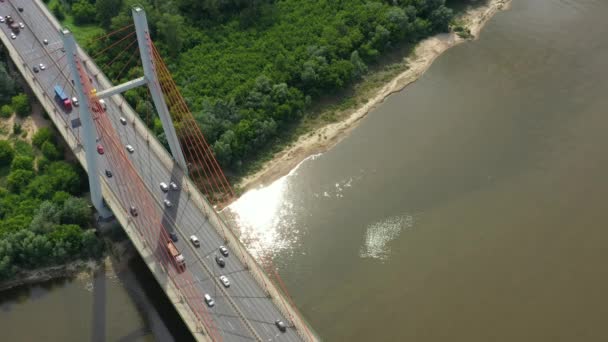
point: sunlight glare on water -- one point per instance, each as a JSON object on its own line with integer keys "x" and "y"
{"x": 263, "y": 215}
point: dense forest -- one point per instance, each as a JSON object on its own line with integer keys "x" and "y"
{"x": 42, "y": 221}
{"x": 250, "y": 69}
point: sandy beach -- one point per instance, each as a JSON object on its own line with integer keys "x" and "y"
{"x": 328, "y": 136}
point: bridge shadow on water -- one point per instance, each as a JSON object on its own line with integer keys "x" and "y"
{"x": 98, "y": 325}
{"x": 160, "y": 319}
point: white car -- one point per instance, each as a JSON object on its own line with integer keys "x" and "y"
{"x": 102, "y": 103}
{"x": 75, "y": 101}
{"x": 225, "y": 281}
{"x": 168, "y": 203}
{"x": 45, "y": 41}
{"x": 13, "y": 36}
{"x": 195, "y": 241}
{"x": 1, "y": 18}
{"x": 130, "y": 148}
{"x": 42, "y": 66}
{"x": 224, "y": 251}
{"x": 209, "y": 300}
{"x": 123, "y": 121}
{"x": 174, "y": 186}
{"x": 164, "y": 187}
{"x": 21, "y": 25}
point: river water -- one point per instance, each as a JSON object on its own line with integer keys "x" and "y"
{"x": 470, "y": 207}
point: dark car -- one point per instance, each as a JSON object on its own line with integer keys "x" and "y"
{"x": 173, "y": 236}
{"x": 20, "y": 9}
{"x": 109, "y": 173}
{"x": 220, "y": 261}
{"x": 35, "y": 69}
{"x": 280, "y": 325}
{"x": 133, "y": 211}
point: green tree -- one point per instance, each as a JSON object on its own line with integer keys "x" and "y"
{"x": 76, "y": 211}
{"x": 58, "y": 11}
{"x": 42, "y": 164}
{"x": 46, "y": 218}
{"x": 91, "y": 245}
{"x": 42, "y": 187}
{"x": 64, "y": 177}
{"x": 42, "y": 135}
{"x": 60, "y": 197}
{"x": 106, "y": 10}
{"x": 21, "y": 104}
{"x": 6, "y": 111}
{"x": 7, "y": 153}
{"x": 170, "y": 29}
{"x": 18, "y": 179}
{"x": 359, "y": 66}
{"x": 7, "y": 85}
{"x": 22, "y": 163}
{"x": 17, "y": 128}
{"x": 83, "y": 12}
{"x": 50, "y": 151}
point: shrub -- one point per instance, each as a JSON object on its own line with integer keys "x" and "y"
{"x": 50, "y": 151}
{"x": 58, "y": 12}
{"x": 7, "y": 153}
{"x": 83, "y": 12}
{"x": 17, "y": 129}
{"x": 21, "y": 104}
{"x": 43, "y": 134}
{"x": 17, "y": 180}
{"x": 6, "y": 111}
{"x": 22, "y": 163}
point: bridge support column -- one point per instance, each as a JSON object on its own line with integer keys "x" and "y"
{"x": 144, "y": 43}
{"x": 89, "y": 132}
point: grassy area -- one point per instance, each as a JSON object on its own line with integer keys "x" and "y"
{"x": 82, "y": 33}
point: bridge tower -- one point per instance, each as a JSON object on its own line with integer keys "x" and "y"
{"x": 150, "y": 79}
{"x": 89, "y": 134}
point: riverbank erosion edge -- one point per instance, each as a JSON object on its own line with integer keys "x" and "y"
{"x": 322, "y": 139}
{"x": 74, "y": 269}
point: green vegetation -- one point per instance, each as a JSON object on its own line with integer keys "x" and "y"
{"x": 10, "y": 101}
{"x": 42, "y": 221}
{"x": 83, "y": 31}
{"x": 253, "y": 71}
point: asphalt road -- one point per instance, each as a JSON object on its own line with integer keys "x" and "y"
{"x": 185, "y": 217}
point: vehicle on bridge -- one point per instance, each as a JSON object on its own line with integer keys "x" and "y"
{"x": 14, "y": 27}
{"x": 65, "y": 100}
{"x": 180, "y": 261}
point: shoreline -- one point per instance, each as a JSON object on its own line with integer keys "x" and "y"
{"x": 114, "y": 260}
{"x": 73, "y": 269}
{"x": 324, "y": 138}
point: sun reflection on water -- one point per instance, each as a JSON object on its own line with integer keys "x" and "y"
{"x": 265, "y": 218}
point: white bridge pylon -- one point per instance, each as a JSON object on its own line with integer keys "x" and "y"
{"x": 150, "y": 79}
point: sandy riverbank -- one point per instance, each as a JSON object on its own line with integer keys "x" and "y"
{"x": 328, "y": 136}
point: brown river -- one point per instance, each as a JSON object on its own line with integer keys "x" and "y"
{"x": 469, "y": 207}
